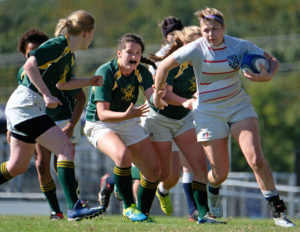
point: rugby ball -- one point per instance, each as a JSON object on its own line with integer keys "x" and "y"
{"x": 251, "y": 62}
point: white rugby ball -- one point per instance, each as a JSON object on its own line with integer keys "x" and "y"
{"x": 251, "y": 62}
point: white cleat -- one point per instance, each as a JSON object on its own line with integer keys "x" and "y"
{"x": 283, "y": 221}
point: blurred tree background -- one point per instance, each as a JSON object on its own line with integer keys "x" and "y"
{"x": 271, "y": 24}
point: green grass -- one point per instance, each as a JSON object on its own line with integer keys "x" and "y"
{"x": 115, "y": 223}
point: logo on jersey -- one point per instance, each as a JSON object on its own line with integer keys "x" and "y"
{"x": 233, "y": 61}
{"x": 205, "y": 134}
{"x": 128, "y": 93}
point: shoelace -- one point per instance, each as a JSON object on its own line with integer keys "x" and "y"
{"x": 85, "y": 204}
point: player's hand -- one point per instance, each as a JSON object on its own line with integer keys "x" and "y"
{"x": 134, "y": 112}
{"x": 51, "y": 101}
{"x": 189, "y": 103}
{"x": 263, "y": 76}
{"x": 68, "y": 130}
{"x": 158, "y": 100}
{"x": 96, "y": 81}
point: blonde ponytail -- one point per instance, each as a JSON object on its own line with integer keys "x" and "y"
{"x": 74, "y": 24}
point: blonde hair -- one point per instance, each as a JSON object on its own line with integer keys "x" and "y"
{"x": 186, "y": 35}
{"x": 210, "y": 14}
{"x": 75, "y": 23}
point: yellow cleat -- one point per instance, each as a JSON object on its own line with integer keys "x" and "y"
{"x": 165, "y": 203}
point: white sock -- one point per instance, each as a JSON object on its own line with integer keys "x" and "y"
{"x": 269, "y": 194}
{"x": 162, "y": 189}
{"x": 187, "y": 177}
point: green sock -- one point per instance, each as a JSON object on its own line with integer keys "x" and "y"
{"x": 200, "y": 196}
{"x": 66, "y": 176}
{"x": 135, "y": 173}
{"x": 123, "y": 181}
{"x": 146, "y": 194}
{"x": 4, "y": 175}
{"x": 49, "y": 191}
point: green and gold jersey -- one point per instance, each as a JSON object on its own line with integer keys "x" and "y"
{"x": 183, "y": 80}
{"x": 55, "y": 61}
{"x": 118, "y": 90}
{"x": 61, "y": 112}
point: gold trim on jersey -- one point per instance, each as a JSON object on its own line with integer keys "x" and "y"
{"x": 23, "y": 75}
{"x": 65, "y": 52}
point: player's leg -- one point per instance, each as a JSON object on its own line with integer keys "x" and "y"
{"x": 112, "y": 146}
{"x": 246, "y": 133}
{"x": 47, "y": 184}
{"x": 187, "y": 179}
{"x": 195, "y": 155}
{"x": 164, "y": 152}
{"x": 145, "y": 158}
{"x": 61, "y": 145}
{"x": 20, "y": 156}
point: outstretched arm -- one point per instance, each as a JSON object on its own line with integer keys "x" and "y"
{"x": 76, "y": 83}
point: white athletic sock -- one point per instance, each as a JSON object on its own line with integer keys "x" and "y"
{"x": 162, "y": 189}
{"x": 187, "y": 177}
{"x": 269, "y": 194}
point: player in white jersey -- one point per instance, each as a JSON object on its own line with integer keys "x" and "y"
{"x": 223, "y": 107}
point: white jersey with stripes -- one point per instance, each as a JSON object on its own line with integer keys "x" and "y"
{"x": 216, "y": 68}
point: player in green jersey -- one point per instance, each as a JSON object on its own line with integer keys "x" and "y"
{"x": 48, "y": 67}
{"x": 113, "y": 124}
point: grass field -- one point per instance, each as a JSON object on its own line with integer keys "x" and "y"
{"x": 115, "y": 223}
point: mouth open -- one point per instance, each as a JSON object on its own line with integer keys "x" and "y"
{"x": 132, "y": 62}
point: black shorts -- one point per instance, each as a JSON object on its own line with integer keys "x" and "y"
{"x": 33, "y": 128}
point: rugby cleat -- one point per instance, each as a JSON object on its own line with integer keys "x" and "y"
{"x": 207, "y": 219}
{"x": 81, "y": 210}
{"x": 214, "y": 204}
{"x": 194, "y": 216}
{"x": 165, "y": 203}
{"x": 105, "y": 191}
{"x": 56, "y": 216}
{"x": 133, "y": 214}
{"x": 283, "y": 221}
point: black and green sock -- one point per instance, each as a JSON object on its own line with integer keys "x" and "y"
{"x": 66, "y": 176}
{"x": 123, "y": 181}
{"x": 49, "y": 191}
{"x": 4, "y": 175}
{"x": 146, "y": 194}
{"x": 200, "y": 196}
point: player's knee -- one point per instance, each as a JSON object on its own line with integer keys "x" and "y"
{"x": 219, "y": 176}
{"x": 15, "y": 170}
{"x": 67, "y": 150}
{"x": 122, "y": 158}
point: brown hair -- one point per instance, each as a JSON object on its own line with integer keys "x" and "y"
{"x": 210, "y": 14}
{"x": 131, "y": 37}
{"x": 75, "y": 23}
{"x": 186, "y": 35}
{"x": 31, "y": 36}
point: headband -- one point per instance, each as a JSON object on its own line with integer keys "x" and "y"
{"x": 172, "y": 25}
{"x": 214, "y": 17}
